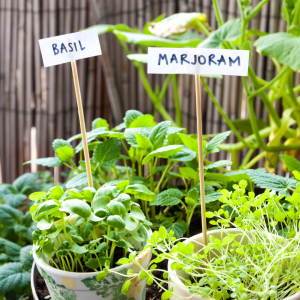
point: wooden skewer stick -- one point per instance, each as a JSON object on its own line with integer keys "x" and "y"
{"x": 200, "y": 156}
{"x": 82, "y": 124}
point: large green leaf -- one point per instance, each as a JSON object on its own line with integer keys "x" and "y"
{"x": 103, "y": 28}
{"x": 212, "y": 145}
{"x": 217, "y": 164}
{"x": 13, "y": 277}
{"x": 58, "y": 143}
{"x": 282, "y": 46}
{"x": 14, "y": 200}
{"x": 46, "y": 208}
{"x": 90, "y": 136}
{"x": 25, "y": 184}
{"x": 143, "y": 142}
{"x": 163, "y": 152}
{"x": 116, "y": 221}
{"x": 244, "y": 125}
{"x": 65, "y": 153}
{"x": 159, "y": 133}
{"x": 26, "y": 258}
{"x": 131, "y": 132}
{"x": 180, "y": 227}
{"x": 229, "y": 32}
{"x": 130, "y": 116}
{"x": 46, "y": 162}
{"x": 143, "y": 121}
{"x": 188, "y": 172}
{"x": 8, "y": 215}
{"x": 168, "y": 197}
{"x": 291, "y": 163}
{"x": 107, "y": 153}
{"x": 76, "y": 206}
{"x": 191, "y": 143}
{"x": 11, "y": 249}
{"x": 141, "y": 192}
{"x": 152, "y": 40}
{"x": 184, "y": 155}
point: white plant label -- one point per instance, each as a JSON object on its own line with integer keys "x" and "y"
{"x": 198, "y": 61}
{"x": 68, "y": 47}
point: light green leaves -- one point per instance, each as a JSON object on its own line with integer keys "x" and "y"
{"x": 138, "y": 57}
{"x": 46, "y": 162}
{"x": 137, "y": 213}
{"x": 107, "y": 153}
{"x": 140, "y": 192}
{"x": 78, "y": 180}
{"x": 217, "y": 164}
{"x": 55, "y": 192}
{"x": 144, "y": 143}
{"x": 212, "y": 145}
{"x": 125, "y": 287}
{"x": 75, "y": 206}
{"x": 191, "y": 143}
{"x": 116, "y": 208}
{"x": 63, "y": 149}
{"x": 291, "y": 163}
{"x": 142, "y": 121}
{"x": 13, "y": 277}
{"x": 130, "y": 116}
{"x": 188, "y": 173}
{"x": 179, "y": 227}
{"x": 158, "y": 134}
{"x": 116, "y": 221}
{"x": 44, "y": 209}
{"x": 272, "y": 45}
{"x": 164, "y": 152}
{"x": 168, "y": 197}
{"x": 229, "y": 32}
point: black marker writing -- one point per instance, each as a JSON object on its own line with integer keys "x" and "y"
{"x": 234, "y": 61}
{"x": 162, "y": 57}
{"x": 82, "y": 48}
{"x": 183, "y": 58}
{"x": 174, "y": 58}
{"x": 55, "y": 50}
{"x": 70, "y": 45}
{"x": 210, "y": 59}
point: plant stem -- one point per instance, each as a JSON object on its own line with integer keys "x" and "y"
{"x": 177, "y": 101}
{"x": 255, "y": 160}
{"x": 256, "y": 9}
{"x": 247, "y": 157}
{"x": 203, "y": 28}
{"x": 218, "y": 12}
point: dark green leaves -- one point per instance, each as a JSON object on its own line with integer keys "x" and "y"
{"x": 25, "y": 184}
{"x": 180, "y": 227}
{"x": 8, "y": 215}
{"x": 78, "y": 180}
{"x": 107, "y": 153}
{"x": 282, "y": 46}
{"x": 229, "y": 32}
{"x": 14, "y": 200}
{"x": 116, "y": 221}
{"x": 158, "y": 134}
{"x": 26, "y": 258}
{"x": 168, "y": 197}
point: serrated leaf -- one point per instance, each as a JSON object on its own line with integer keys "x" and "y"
{"x": 58, "y": 143}
{"x": 13, "y": 277}
{"x": 130, "y": 116}
{"x": 212, "y": 197}
{"x": 143, "y": 142}
{"x": 90, "y": 136}
{"x": 217, "y": 164}
{"x": 158, "y": 134}
{"x": 14, "y": 200}
{"x": 184, "y": 155}
{"x": 168, "y": 197}
{"x": 180, "y": 227}
{"x": 164, "y": 152}
{"x": 143, "y": 121}
{"x": 291, "y": 163}
{"x": 191, "y": 143}
{"x": 228, "y": 32}
{"x": 107, "y": 153}
{"x": 65, "y": 153}
{"x": 78, "y": 180}
{"x": 99, "y": 122}
{"x": 212, "y": 145}
{"x": 50, "y": 162}
{"x": 131, "y": 132}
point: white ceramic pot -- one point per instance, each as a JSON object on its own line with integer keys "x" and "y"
{"x": 179, "y": 288}
{"x": 64, "y": 285}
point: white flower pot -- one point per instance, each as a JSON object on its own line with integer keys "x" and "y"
{"x": 179, "y": 287}
{"x": 64, "y": 285}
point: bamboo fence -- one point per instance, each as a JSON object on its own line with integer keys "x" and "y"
{"x": 38, "y": 104}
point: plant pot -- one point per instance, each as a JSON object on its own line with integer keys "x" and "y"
{"x": 179, "y": 288}
{"x": 64, "y": 285}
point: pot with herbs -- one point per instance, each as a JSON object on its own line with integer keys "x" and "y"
{"x": 87, "y": 241}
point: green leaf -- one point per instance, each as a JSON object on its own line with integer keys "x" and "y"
{"x": 125, "y": 287}
{"x": 187, "y": 173}
{"x": 153, "y": 41}
{"x": 110, "y": 191}
{"x": 130, "y": 223}
{"x": 179, "y": 227}
{"x": 184, "y": 155}
{"x": 90, "y": 136}
{"x": 130, "y": 116}
{"x": 25, "y": 184}
{"x": 37, "y": 196}
{"x": 50, "y": 162}
{"x": 273, "y": 182}
{"x": 99, "y": 123}
{"x": 244, "y": 125}
{"x": 217, "y": 164}
{"x": 107, "y": 153}
{"x": 291, "y": 163}
{"x": 279, "y": 216}
{"x": 158, "y": 134}
{"x": 137, "y": 213}
{"x": 212, "y": 197}
{"x": 272, "y": 45}
{"x": 103, "y": 28}
{"x": 164, "y": 152}
{"x": 140, "y": 191}
{"x": 9, "y": 215}
{"x": 144, "y": 143}
{"x": 13, "y": 277}
{"x": 65, "y": 153}
{"x": 79, "y": 180}
{"x": 116, "y": 208}
{"x": 228, "y": 32}
{"x": 168, "y": 197}
{"x": 74, "y": 193}
{"x": 58, "y": 143}
{"x": 55, "y": 192}
{"x": 46, "y": 208}
{"x": 11, "y": 249}
{"x": 116, "y": 221}
{"x": 191, "y": 143}
{"x": 26, "y": 258}
{"x": 88, "y": 193}
{"x": 78, "y": 249}
{"x": 78, "y": 207}
{"x": 166, "y": 295}
{"x": 143, "y": 121}
{"x": 130, "y": 134}
{"x": 138, "y": 57}
{"x": 14, "y": 200}
{"x": 212, "y": 145}
{"x": 44, "y": 225}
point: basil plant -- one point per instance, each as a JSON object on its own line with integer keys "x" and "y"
{"x": 79, "y": 230}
